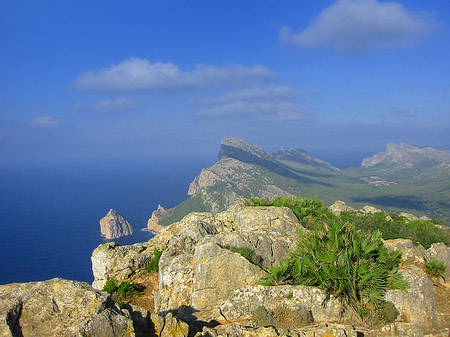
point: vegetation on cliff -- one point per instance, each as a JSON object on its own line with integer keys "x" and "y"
{"x": 345, "y": 255}
{"x": 312, "y": 214}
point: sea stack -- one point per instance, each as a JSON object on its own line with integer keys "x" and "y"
{"x": 114, "y": 225}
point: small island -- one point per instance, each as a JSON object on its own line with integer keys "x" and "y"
{"x": 113, "y": 225}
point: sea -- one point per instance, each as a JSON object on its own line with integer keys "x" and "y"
{"x": 50, "y": 212}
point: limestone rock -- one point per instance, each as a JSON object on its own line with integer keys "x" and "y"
{"x": 245, "y": 300}
{"x": 316, "y": 330}
{"x": 441, "y": 252}
{"x": 417, "y": 304}
{"x": 217, "y": 273}
{"x": 114, "y": 225}
{"x": 111, "y": 260}
{"x": 410, "y": 252}
{"x": 59, "y": 307}
{"x": 339, "y": 206}
{"x": 198, "y": 274}
{"x": 169, "y": 326}
{"x": 370, "y": 209}
{"x": 152, "y": 224}
{"x": 409, "y": 216}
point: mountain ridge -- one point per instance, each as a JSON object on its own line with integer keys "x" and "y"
{"x": 244, "y": 170}
{"x": 409, "y": 155}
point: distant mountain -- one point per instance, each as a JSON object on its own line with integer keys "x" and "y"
{"x": 409, "y": 155}
{"x": 301, "y": 160}
{"x": 404, "y": 178}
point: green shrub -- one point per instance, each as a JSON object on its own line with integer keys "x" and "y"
{"x": 353, "y": 266}
{"x": 121, "y": 290}
{"x": 279, "y": 275}
{"x": 435, "y": 267}
{"x": 419, "y": 231}
{"x": 388, "y": 313}
{"x": 111, "y": 286}
{"x": 154, "y": 261}
{"x": 308, "y": 211}
{"x": 126, "y": 289}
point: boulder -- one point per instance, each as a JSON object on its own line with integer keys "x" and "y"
{"x": 197, "y": 274}
{"x": 411, "y": 254}
{"x": 409, "y": 216}
{"x": 241, "y": 306}
{"x": 217, "y": 273}
{"x": 169, "y": 326}
{"x": 339, "y": 206}
{"x": 113, "y": 225}
{"x": 441, "y": 252}
{"x": 111, "y": 260}
{"x": 417, "y": 304}
{"x": 59, "y": 307}
{"x": 370, "y": 209}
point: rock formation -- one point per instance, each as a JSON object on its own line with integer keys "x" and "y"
{"x": 152, "y": 223}
{"x": 216, "y": 291}
{"x": 60, "y": 307}
{"x": 113, "y": 225}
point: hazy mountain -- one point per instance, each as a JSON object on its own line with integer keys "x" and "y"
{"x": 404, "y": 178}
{"x": 301, "y": 160}
{"x": 409, "y": 155}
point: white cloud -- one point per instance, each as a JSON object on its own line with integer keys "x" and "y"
{"x": 257, "y": 93}
{"x": 116, "y": 105}
{"x": 355, "y": 26}
{"x": 45, "y": 122}
{"x": 272, "y": 110}
{"x": 141, "y": 74}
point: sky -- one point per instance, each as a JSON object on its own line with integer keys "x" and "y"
{"x": 83, "y": 80}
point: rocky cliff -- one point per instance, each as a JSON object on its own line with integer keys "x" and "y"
{"x": 113, "y": 225}
{"x": 216, "y": 291}
{"x": 409, "y": 155}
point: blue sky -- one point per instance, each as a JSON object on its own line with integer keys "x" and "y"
{"x": 113, "y": 79}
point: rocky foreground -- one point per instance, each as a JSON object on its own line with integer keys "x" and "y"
{"x": 205, "y": 289}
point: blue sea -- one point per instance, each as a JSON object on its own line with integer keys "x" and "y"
{"x": 49, "y": 213}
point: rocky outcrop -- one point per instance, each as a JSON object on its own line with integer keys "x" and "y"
{"x": 409, "y": 155}
{"x": 60, "y": 307}
{"x": 207, "y": 288}
{"x": 290, "y": 300}
{"x": 152, "y": 223}
{"x": 197, "y": 271}
{"x": 339, "y": 206}
{"x": 113, "y": 225}
{"x": 440, "y": 252}
{"x": 111, "y": 260}
{"x": 417, "y": 305}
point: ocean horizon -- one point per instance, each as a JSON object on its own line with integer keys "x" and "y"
{"x": 50, "y": 213}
